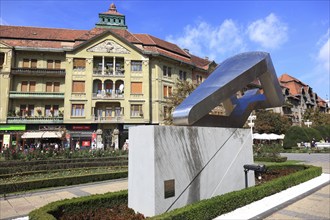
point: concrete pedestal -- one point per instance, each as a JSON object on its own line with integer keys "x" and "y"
{"x": 172, "y": 166}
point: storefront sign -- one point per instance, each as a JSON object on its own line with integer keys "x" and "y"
{"x": 6, "y": 139}
{"x": 81, "y": 127}
{"x": 12, "y": 127}
{"x": 85, "y": 143}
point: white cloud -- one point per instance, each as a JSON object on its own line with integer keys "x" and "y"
{"x": 3, "y": 22}
{"x": 203, "y": 39}
{"x": 323, "y": 57}
{"x": 269, "y": 32}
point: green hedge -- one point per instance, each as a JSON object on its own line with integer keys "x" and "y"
{"x": 297, "y": 134}
{"x": 12, "y": 163}
{"x": 76, "y": 204}
{"x": 54, "y": 182}
{"x": 211, "y": 208}
{"x": 203, "y": 210}
{"x": 60, "y": 165}
{"x": 270, "y": 159}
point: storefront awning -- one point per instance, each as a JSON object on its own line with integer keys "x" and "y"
{"x": 42, "y": 134}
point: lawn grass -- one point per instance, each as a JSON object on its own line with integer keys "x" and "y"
{"x": 30, "y": 176}
{"x": 288, "y": 162}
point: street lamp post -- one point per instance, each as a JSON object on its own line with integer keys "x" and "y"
{"x": 251, "y": 123}
{"x": 308, "y": 123}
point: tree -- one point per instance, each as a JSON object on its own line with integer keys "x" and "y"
{"x": 182, "y": 90}
{"x": 316, "y": 117}
{"x": 270, "y": 122}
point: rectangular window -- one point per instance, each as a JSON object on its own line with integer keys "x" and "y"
{"x": 55, "y": 110}
{"x": 32, "y": 87}
{"x": 167, "y": 91}
{"x": 136, "y": 87}
{"x": 34, "y": 63}
{"x": 117, "y": 111}
{"x": 31, "y": 110}
{"x": 26, "y": 63}
{"x": 23, "y": 110}
{"x": 136, "y": 111}
{"x": 77, "y": 110}
{"x": 56, "y": 86}
{"x": 2, "y": 59}
{"x": 50, "y": 64}
{"x": 78, "y": 86}
{"x": 47, "y": 110}
{"x": 167, "y": 71}
{"x": 136, "y": 66}
{"x": 57, "y": 64}
{"x": 49, "y": 87}
{"x": 108, "y": 112}
{"x": 166, "y": 112}
{"x": 79, "y": 63}
{"x": 182, "y": 75}
{"x": 199, "y": 79}
{"x": 24, "y": 86}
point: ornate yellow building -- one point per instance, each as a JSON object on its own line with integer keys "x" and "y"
{"x": 84, "y": 84}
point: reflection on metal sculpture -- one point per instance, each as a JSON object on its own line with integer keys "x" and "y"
{"x": 233, "y": 75}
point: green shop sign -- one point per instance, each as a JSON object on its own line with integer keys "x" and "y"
{"x": 12, "y": 128}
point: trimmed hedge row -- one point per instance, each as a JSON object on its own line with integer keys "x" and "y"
{"x": 270, "y": 159}
{"x": 48, "y": 212}
{"x": 205, "y": 209}
{"x": 12, "y": 163}
{"x": 211, "y": 208}
{"x": 27, "y": 173}
{"x": 19, "y": 169}
{"x": 63, "y": 181}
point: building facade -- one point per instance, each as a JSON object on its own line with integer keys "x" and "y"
{"x": 87, "y": 86}
{"x": 298, "y": 98}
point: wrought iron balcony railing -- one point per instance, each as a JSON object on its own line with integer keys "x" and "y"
{"x": 34, "y": 120}
{"x": 38, "y": 71}
{"x": 33, "y": 95}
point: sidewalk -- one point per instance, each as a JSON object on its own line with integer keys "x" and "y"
{"x": 20, "y": 205}
{"x": 260, "y": 209}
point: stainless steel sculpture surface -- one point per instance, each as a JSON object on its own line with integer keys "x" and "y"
{"x": 231, "y": 76}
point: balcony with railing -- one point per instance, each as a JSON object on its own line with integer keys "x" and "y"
{"x": 108, "y": 66}
{"x": 39, "y": 95}
{"x": 38, "y": 71}
{"x": 103, "y": 114}
{"x": 104, "y": 95}
{"x": 34, "y": 119}
{"x": 108, "y": 119}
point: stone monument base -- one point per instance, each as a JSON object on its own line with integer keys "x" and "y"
{"x": 173, "y": 166}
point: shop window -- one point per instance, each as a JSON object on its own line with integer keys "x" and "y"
{"x": 78, "y": 86}
{"x": 136, "y": 110}
{"x": 49, "y": 87}
{"x": 32, "y": 86}
{"x": 79, "y": 63}
{"x": 56, "y": 86}
{"x": 136, "y": 66}
{"x": 24, "y": 86}
{"x": 77, "y": 110}
{"x": 34, "y": 63}
{"x": 136, "y": 87}
{"x": 182, "y": 75}
{"x": 167, "y": 71}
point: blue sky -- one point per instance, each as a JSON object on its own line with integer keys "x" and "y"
{"x": 295, "y": 33}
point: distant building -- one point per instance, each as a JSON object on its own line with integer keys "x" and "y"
{"x": 87, "y": 83}
{"x": 298, "y": 97}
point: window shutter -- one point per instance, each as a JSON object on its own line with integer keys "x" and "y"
{"x": 165, "y": 91}
{"x": 56, "y": 86}
{"x": 78, "y": 86}
{"x": 49, "y": 64}
{"x": 49, "y": 86}
{"x": 32, "y": 86}
{"x": 57, "y": 64}
{"x": 136, "y": 88}
{"x": 26, "y": 63}
{"x": 34, "y": 64}
{"x": 24, "y": 86}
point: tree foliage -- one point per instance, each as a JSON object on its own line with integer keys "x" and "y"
{"x": 182, "y": 90}
{"x": 298, "y": 134}
{"x": 269, "y": 122}
{"x": 316, "y": 117}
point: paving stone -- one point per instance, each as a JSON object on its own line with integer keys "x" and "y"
{"x": 7, "y": 211}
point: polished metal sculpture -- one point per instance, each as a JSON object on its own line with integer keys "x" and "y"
{"x": 231, "y": 76}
